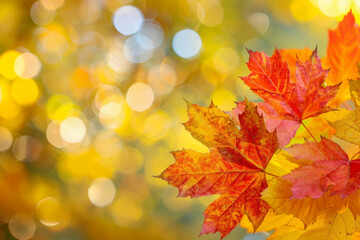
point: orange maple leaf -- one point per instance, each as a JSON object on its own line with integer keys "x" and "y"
{"x": 291, "y": 56}
{"x": 234, "y": 167}
{"x": 324, "y": 166}
{"x": 343, "y": 53}
{"x": 287, "y": 102}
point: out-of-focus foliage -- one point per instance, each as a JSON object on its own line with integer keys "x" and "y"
{"x": 91, "y": 100}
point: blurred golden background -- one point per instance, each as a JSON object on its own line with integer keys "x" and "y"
{"x": 92, "y": 96}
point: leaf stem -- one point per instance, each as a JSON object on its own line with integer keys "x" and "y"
{"x": 355, "y": 155}
{"x": 309, "y": 131}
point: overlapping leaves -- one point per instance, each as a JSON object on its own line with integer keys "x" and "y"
{"x": 234, "y": 167}
{"x": 287, "y": 102}
{"x": 259, "y": 180}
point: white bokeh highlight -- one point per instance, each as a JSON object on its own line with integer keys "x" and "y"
{"x": 72, "y": 130}
{"x": 187, "y": 43}
{"x": 102, "y": 192}
{"x": 128, "y": 20}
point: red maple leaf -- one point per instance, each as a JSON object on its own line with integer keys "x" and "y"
{"x": 287, "y": 102}
{"x": 324, "y": 166}
{"x": 234, "y": 167}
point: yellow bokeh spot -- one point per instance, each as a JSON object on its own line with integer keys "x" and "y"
{"x": 162, "y": 78}
{"x": 41, "y": 189}
{"x": 52, "y": 213}
{"x": 226, "y": 60}
{"x": 102, "y": 167}
{"x": 129, "y": 129}
{"x": 9, "y": 109}
{"x": 53, "y": 40}
{"x": 107, "y": 144}
{"x": 111, "y": 106}
{"x": 103, "y": 74}
{"x": 224, "y": 99}
{"x": 7, "y": 61}
{"x": 131, "y": 160}
{"x": 59, "y": 107}
{"x": 157, "y": 126}
{"x": 334, "y": 8}
{"x": 127, "y": 210}
{"x": 80, "y": 82}
{"x": 210, "y": 73}
{"x": 303, "y": 10}
{"x": 24, "y": 91}
{"x": 210, "y": 12}
{"x": 74, "y": 167}
{"x": 52, "y": 5}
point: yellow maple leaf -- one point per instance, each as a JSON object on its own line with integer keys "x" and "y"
{"x": 332, "y": 225}
{"x": 278, "y": 196}
{"x": 346, "y": 122}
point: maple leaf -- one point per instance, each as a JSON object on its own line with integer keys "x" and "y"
{"x": 291, "y": 230}
{"x": 324, "y": 166}
{"x": 318, "y": 183}
{"x": 234, "y": 167}
{"x": 287, "y": 102}
{"x": 347, "y": 123}
{"x": 343, "y": 53}
{"x": 279, "y": 196}
{"x": 332, "y": 225}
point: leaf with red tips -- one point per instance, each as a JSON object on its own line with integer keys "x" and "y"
{"x": 234, "y": 167}
{"x": 317, "y": 183}
{"x": 288, "y": 102}
{"x": 324, "y": 166}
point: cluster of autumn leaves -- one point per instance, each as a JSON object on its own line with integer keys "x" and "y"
{"x": 303, "y": 191}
